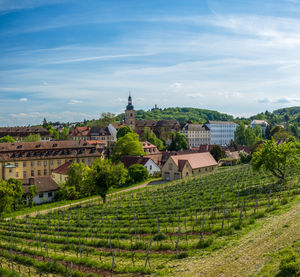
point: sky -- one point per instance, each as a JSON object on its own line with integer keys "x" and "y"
{"x": 69, "y": 60}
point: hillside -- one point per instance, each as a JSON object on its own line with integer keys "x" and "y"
{"x": 180, "y": 114}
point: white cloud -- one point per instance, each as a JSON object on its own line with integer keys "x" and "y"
{"x": 23, "y": 99}
{"x": 74, "y": 102}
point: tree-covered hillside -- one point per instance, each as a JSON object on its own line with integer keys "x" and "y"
{"x": 180, "y": 114}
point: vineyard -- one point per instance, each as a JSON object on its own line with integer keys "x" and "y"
{"x": 142, "y": 232}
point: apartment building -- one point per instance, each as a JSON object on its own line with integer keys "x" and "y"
{"x": 35, "y": 159}
{"x": 20, "y": 133}
{"x": 196, "y": 134}
{"x": 221, "y": 132}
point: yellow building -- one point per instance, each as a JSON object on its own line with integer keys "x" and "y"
{"x": 188, "y": 165}
{"x": 34, "y": 159}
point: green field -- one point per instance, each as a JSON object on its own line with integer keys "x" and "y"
{"x": 149, "y": 231}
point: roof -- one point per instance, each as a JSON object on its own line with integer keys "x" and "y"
{"x": 259, "y": 122}
{"x": 131, "y": 160}
{"x": 100, "y": 131}
{"x": 195, "y": 127}
{"x": 147, "y": 145}
{"x": 23, "y": 131}
{"x": 232, "y": 155}
{"x": 196, "y": 160}
{"x": 221, "y": 122}
{"x": 43, "y": 184}
{"x": 80, "y": 131}
{"x": 63, "y": 169}
{"x": 41, "y": 145}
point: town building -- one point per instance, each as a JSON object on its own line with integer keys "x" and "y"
{"x": 188, "y": 165}
{"x": 36, "y": 159}
{"x": 147, "y": 162}
{"x": 196, "y": 134}
{"x": 80, "y": 133}
{"x": 20, "y": 133}
{"x": 221, "y": 132}
{"x": 60, "y": 174}
{"x": 162, "y": 128}
{"x": 149, "y": 148}
{"x": 46, "y": 189}
{"x": 262, "y": 123}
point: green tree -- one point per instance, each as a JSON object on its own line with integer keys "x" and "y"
{"x": 217, "y": 152}
{"x": 280, "y": 133}
{"x": 149, "y": 136}
{"x": 105, "y": 174}
{"x": 7, "y": 139}
{"x": 239, "y": 134}
{"x": 277, "y": 158}
{"x": 17, "y": 189}
{"x": 250, "y": 136}
{"x": 127, "y": 146}
{"x": 64, "y": 134}
{"x": 178, "y": 142}
{"x": 33, "y": 138}
{"x": 6, "y": 197}
{"x": 32, "y": 192}
{"x": 138, "y": 173}
{"x": 123, "y": 131}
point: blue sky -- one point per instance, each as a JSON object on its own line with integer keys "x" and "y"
{"x": 69, "y": 60}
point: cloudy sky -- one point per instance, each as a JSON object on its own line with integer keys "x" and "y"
{"x": 69, "y": 59}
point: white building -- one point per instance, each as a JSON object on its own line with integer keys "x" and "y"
{"x": 196, "y": 134}
{"x": 147, "y": 162}
{"x": 262, "y": 123}
{"x": 46, "y": 189}
{"x": 221, "y": 132}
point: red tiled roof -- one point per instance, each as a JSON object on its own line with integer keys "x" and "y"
{"x": 196, "y": 160}
{"x": 131, "y": 160}
{"x": 43, "y": 184}
{"x": 147, "y": 145}
{"x": 63, "y": 169}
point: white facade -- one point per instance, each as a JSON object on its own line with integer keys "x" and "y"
{"x": 42, "y": 197}
{"x": 221, "y": 132}
{"x": 196, "y": 134}
{"x": 262, "y": 123}
{"x": 152, "y": 167}
{"x": 113, "y": 131}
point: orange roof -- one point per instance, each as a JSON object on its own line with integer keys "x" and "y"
{"x": 196, "y": 160}
{"x": 147, "y": 145}
{"x": 93, "y": 142}
{"x": 63, "y": 169}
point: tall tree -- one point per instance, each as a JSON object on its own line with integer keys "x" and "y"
{"x": 178, "y": 142}
{"x": 6, "y": 197}
{"x": 277, "y": 158}
{"x": 123, "y": 131}
{"x": 217, "y": 152}
{"x": 127, "y": 146}
{"x": 105, "y": 174}
{"x": 149, "y": 135}
{"x": 17, "y": 189}
{"x": 33, "y": 138}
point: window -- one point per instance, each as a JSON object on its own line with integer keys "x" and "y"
{"x": 51, "y": 162}
{"x": 17, "y": 174}
{"x": 39, "y": 173}
{"x": 41, "y": 195}
{"x": 45, "y": 172}
{"x": 32, "y": 173}
{"x": 83, "y": 160}
{"x": 24, "y": 164}
{"x": 50, "y": 194}
{"x": 58, "y": 162}
{"x": 32, "y": 163}
{"x": 10, "y": 170}
{"x": 45, "y": 163}
{"x": 170, "y": 166}
{"x": 24, "y": 174}
{"x": 39, "y": 163}
{"x": 150, "y": 167}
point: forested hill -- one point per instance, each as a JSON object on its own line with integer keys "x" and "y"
{"x": 180, "y": 114}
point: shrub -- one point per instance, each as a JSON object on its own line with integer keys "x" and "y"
{"x": 289, "y": 264}
{"x": 160, "y": 236}
{"x": 138, "y": 173}
{"x": 205, "y": 243}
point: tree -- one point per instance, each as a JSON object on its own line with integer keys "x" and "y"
{"x": 45, "y": 123}
{"x": 149, "y": 136}
{"x": 17, "y": 190}
{"x": 6, "y": 197}
{"x": 239, "y": 134}
{"x": 7, "y": 139}
{"x": 280, "y": 133}
{"x": 33, "y": 138}
{"x": 64, "y": 134}
{"x": 138, "y": 173}
{"x": 217, "y": 152}
{"x": 178, "y": 142}
{"x": 32, "y": 191}
{"x": 277, "y": 158}
{"x": 105, "y": 174}
{"x": 127, "y": 146}
{"x": 123, "y": 131}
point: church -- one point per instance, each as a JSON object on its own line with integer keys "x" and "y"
{"x": 162, "y": 128}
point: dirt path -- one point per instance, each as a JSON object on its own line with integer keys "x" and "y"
{"x": 247, "y": 257}
{"x": 79, "y": 203}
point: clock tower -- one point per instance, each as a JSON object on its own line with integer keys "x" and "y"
{"x": 130, "y": 114}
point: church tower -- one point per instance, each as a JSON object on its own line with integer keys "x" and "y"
{"x": 130, "y": 113}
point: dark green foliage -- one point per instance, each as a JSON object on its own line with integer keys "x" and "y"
{"x": 204, "y": 243}
{"x": 7, "y": 139}
{"x": 289, "y": 263}
{"x": 149, "y": 136}
{"x": 217, "y": 152}
{"x": 160, "y": 236}
{"x": 178, "y": 142}
{"x": 123, "y": 131}
{"x": 138, "y": 173}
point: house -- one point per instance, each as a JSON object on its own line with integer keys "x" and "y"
{"x": 188, "y": 165}
{"x": 196, "y": 134}
{"x": 262, "y": 123}
{"x": 103, "y": 134}
{"x": 46, "y": 189}
{"x": 80, "y": 133}
{"x": 231, "y": 158}
{"x": 36, "y": 159}
{"x": 20, "y": 133}
{"x": 221, "y": 132}
{"x": 60, "y": 174}
{"x": 147, "y": 162}
{"x": 149, "y": 148}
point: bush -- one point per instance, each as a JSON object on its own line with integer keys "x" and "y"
{"x": 289, "y": 264}
{"x": 138, "y": 173}
{"x": 205, "y": 243}
{"x": 160, "y": 236}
